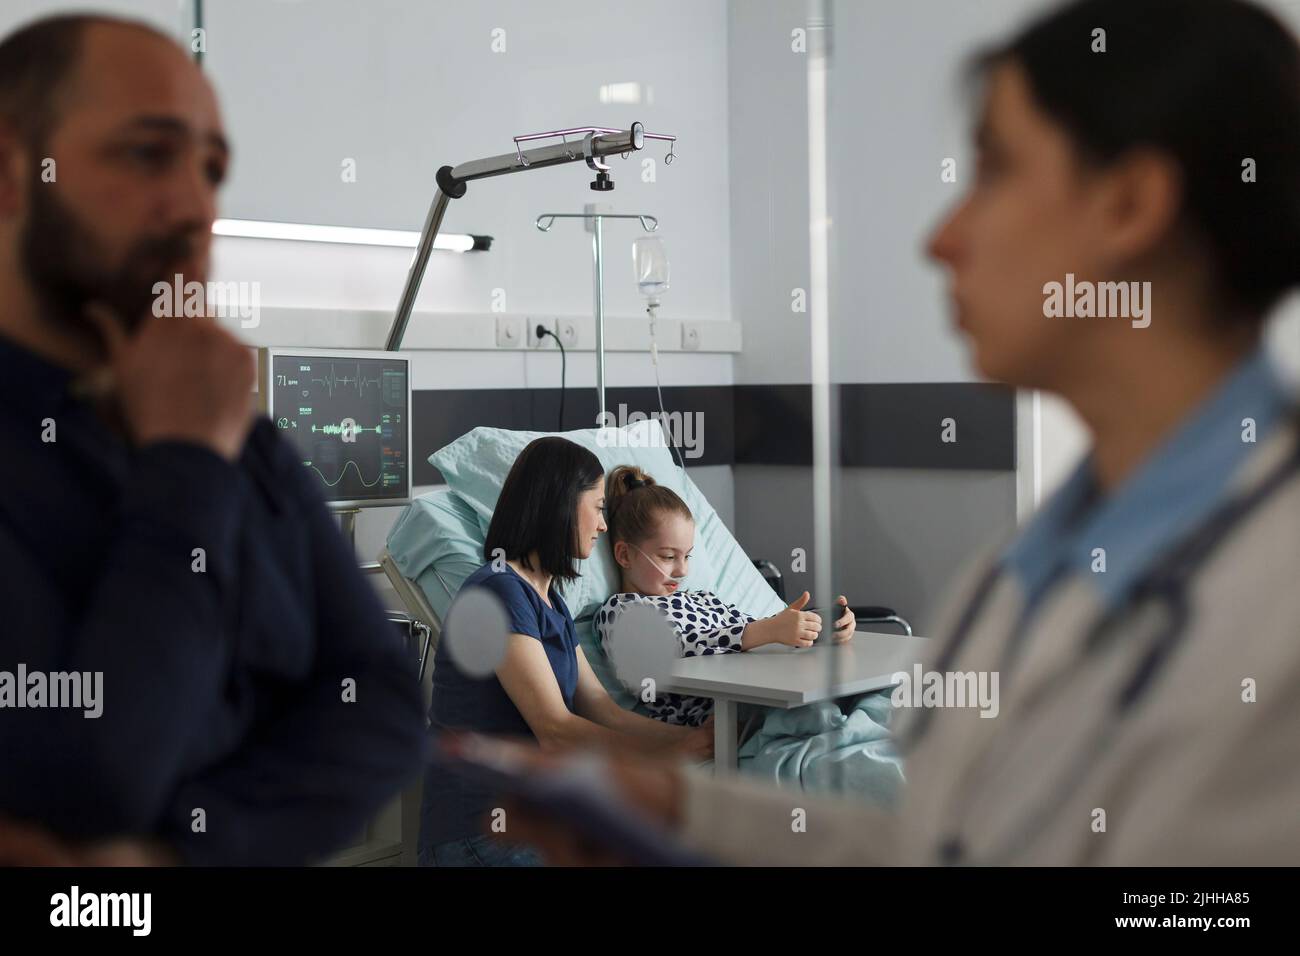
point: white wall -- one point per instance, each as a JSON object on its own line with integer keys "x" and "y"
{"x": 403, "y": 87}
{"x": 894, "y": 114}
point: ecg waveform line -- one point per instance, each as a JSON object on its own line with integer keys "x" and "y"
{"x": 338, "y": 429}
{"x": 344, "y": 471}
{"x": 335, "y": 381}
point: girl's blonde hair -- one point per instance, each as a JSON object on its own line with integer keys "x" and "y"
{"x": 634, "y": 504}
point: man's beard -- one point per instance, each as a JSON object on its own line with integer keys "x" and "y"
{"x": 67, "y": 265}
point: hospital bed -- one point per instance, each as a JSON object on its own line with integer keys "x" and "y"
{"x": 437, "y": 543}
{"x": 438, "y": 540}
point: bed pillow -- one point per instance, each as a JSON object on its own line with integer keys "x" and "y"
{"x": 437, "y": 529}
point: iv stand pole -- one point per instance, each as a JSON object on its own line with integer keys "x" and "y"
{"x": 649, "y": 224}
{"x": 452, "y": 184}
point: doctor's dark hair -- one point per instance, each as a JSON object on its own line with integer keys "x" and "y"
{"x": 634, "y": 504}
{"x": 36, "y": 62}
{"x": 1208, "y": 83}
{"x": 538, "y": 506}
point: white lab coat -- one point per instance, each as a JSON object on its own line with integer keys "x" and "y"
{"x": 1193, "y": 775}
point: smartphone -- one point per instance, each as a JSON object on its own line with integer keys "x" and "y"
{"x": 839, "y": 613}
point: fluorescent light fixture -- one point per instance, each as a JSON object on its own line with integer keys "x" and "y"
{"x": 305, "y": 232}
{"x": 626, "y": 94}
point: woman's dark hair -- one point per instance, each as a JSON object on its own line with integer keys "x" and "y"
{"x": 634, "y": 504}
{"x": 1210, "y": 83}
{"x": 538, "y": 506}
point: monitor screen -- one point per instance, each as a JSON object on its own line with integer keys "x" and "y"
{"x": 348, "y": 415}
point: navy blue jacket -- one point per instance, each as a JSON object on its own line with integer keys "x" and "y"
{"x": 223, "y": 689}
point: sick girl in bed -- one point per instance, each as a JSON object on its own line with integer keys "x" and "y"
{"x": 652, "y": 533}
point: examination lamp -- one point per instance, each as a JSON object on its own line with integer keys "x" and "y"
{"x": 597, "y": 142}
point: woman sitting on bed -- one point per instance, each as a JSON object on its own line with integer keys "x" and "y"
{"x": 548, "y": 516}
{"x": 652, "y": 532}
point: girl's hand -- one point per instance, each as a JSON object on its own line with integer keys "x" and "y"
{"x": 793, "y": 627}
{"x": 846, "y": 625}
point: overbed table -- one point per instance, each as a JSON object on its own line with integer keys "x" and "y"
{"x": 780, "y": 676}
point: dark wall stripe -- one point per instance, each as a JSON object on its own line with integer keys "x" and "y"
{"x": 773, "y": 424}
{"x": 881, "y": 426}
{"x": 901, "y": 426}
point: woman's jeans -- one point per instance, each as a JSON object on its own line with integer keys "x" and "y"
{"x": 480, "y": 850}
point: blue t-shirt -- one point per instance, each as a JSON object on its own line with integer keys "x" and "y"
{"x": 451, "y": 808}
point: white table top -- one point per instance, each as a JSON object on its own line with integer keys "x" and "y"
{"x": 780, "y": 676}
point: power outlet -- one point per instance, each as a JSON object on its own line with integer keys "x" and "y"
{"x": 510, "y": 331}
{"x": 567, "y": 330}
{"x": 690, "y": 338}
{"x": 536, "y": 341}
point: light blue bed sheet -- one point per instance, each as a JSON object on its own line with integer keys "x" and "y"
{"x": 817, "y": 747}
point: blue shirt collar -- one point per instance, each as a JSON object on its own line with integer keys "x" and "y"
{"x": 1169, "y": 495}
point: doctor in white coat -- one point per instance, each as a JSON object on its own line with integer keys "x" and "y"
{"x": 1134, "y": 216}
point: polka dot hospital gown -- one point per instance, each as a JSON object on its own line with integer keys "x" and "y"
{"x": 705, "y": 624}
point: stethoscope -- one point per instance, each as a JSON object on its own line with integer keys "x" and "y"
{"x": 1168, "y": 582}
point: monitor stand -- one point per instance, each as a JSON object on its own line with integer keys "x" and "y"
{"x": 348, "y": 527}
